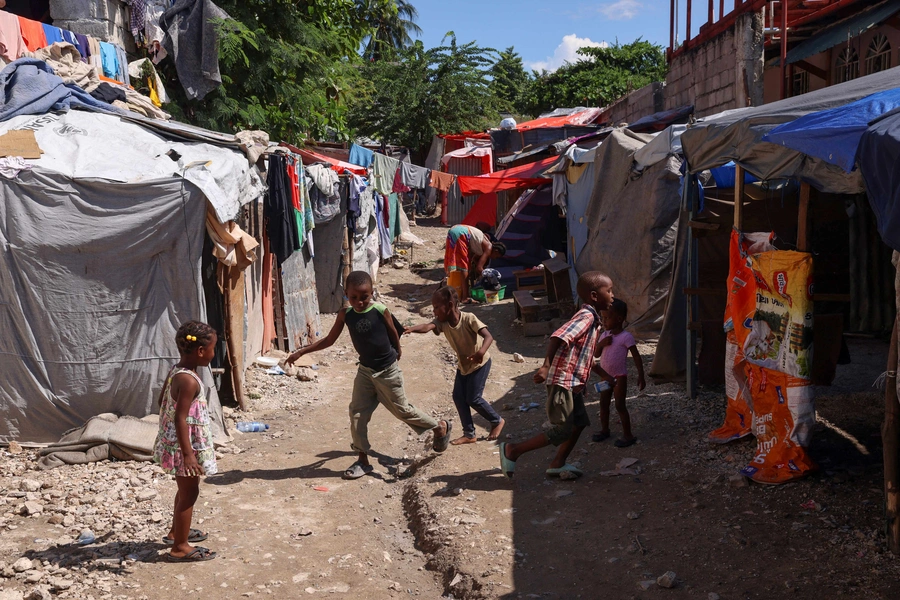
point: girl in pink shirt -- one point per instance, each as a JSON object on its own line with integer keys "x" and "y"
{"x": 612, "y": 349}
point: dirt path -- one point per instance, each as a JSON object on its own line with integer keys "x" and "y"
{"x": 287, "y": 526}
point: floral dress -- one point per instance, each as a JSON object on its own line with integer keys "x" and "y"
{"x": 167, "y": 451}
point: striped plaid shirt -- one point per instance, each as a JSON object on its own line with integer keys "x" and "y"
{"x": 571, "y": 365}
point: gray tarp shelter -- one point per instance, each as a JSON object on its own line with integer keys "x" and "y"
{"x": 632, "y": 221}
{"x": 737, "y": 135}
{"x": 100, "y": 258}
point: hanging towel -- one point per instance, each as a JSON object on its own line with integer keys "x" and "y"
{"x": 122, "y": 60}
{"x": 398, "y": 186}
{"x": 413, "y": 176}
{"x": 441, "y": 181}
{"x": 360, "y": 156}
{"x": 84, "y": 47}
{"x": 109, "y": 59}
{"x": 192, "y": 40}
{"x": 383, "y": 170}
{"x": 33, "y": 34}
{"x": 52, "y": 34}
{"x": 12, "y": 46}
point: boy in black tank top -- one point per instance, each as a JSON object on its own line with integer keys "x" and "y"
{"x": 379, "y": 380}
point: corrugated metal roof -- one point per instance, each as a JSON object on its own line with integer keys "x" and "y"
{"x": 843, "y": 30}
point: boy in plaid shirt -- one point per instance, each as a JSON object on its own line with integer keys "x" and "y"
{"x": 566, "y": 369}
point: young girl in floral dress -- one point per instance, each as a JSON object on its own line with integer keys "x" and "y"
{"x": 184, "y": 446}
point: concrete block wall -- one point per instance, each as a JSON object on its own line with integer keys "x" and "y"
{"x": 106, "y": 20}
{"x": 639, "y": 103}
{"x": 704, "y": 76}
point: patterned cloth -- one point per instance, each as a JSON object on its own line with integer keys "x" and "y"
{"x": 462, "y": 241}
{"x": 167, "y": 451}
{"x": 571, "y": 365}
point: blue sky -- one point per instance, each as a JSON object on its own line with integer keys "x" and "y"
{"x": 545, "y": 33}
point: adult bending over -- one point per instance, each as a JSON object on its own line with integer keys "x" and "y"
{"x": 466, "y": 256}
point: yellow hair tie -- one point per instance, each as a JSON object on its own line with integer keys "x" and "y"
{"x": 191, "y": 338}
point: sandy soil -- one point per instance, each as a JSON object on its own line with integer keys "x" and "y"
{"x": 287, "y": 526}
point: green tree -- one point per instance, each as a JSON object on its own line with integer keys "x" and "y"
{"x": 509, "y": 80}
{"x": 391, "y": 23}
{"x": 424, "y": 92}
{"x": 287, "y": 67}
{"x": 600, "y": 78}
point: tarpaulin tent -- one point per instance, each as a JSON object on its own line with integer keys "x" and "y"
{"x": 737, "y": 135}
{"x": 631, "y": 220}
{"x": 100, "y": 261}
{"x": 833, "y": 135}
{"x": 523, "y": 176}
{"x": 879, "y": 157}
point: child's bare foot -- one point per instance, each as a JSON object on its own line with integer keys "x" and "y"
{"x": 463, "y": 440}
{"x": 496, "y": 429}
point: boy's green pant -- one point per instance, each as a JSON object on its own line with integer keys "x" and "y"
{"x": 371, "y": 388}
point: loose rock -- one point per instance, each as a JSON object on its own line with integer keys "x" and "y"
{"x": 22, "y": 565}
{"x": 666, "y": 580}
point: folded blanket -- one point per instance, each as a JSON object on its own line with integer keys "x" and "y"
{"x": 101, "y": 438}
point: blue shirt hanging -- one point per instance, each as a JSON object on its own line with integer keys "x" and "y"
{"x": 109, "y": 60}
{"x": 53, "y": 34}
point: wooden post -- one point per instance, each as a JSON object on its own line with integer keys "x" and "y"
{"x": 234, "y": 330}
{"x": 345, "y": 261}
{"x": 803, "y": 219}
{"x": 692, "y": 304}
{"x": 738, "y": 197}
{"x": 890, "y": 439}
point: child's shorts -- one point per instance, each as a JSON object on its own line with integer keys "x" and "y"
{"x": 566, "y": 411}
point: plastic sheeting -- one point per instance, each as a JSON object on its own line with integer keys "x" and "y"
{"x": 95, "y": 278}
{"x": 522, "y": 176}
{"x": 833, "y": 135}
{"x": 84, "y": 145}
{"x": 879, "y": 154}
{"x": 632, "y": 222}
{"x": 737, "y": 135}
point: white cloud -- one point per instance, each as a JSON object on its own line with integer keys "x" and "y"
{"x": 567, "y": 51}
{"x": 621, "y": 10}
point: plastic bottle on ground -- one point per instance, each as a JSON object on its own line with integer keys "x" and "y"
{"x": 251, "y": 426}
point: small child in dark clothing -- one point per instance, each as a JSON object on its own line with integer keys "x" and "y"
{"x": 379, "y": 378}
{"x": 462, "y": 330}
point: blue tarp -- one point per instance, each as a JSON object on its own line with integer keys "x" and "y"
{"x": 834, "y": 134}
{"x": 879, "y": 161}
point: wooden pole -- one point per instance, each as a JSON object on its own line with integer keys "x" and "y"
{"x": 803, "y": 219}
{"x": 890, "y": 438}
{"x": 345, "y": 261}
{"x": 738, "y": 197}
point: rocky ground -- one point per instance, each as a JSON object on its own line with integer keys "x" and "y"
{"x": 666, "y": 517}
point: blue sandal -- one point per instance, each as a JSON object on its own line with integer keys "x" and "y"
{"x": 563, "y": 469}
{"x": 507, "y": 465}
